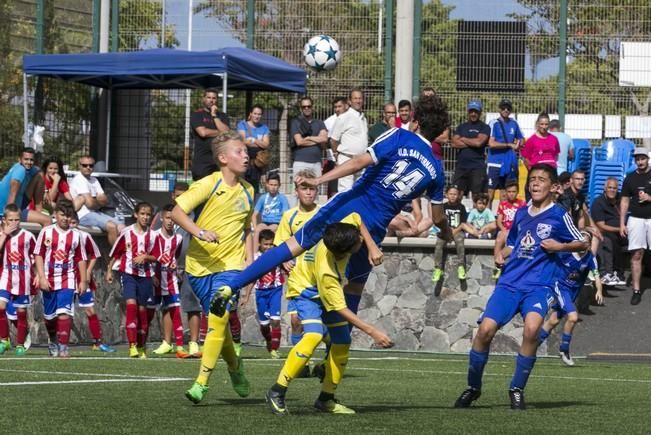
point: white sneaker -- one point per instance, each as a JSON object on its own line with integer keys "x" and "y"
{"x": 607, "y": 279}
{"x": 616, "y": 280}
{"x": 566, "y": 358}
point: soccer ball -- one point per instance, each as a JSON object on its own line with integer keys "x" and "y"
{"x": 322, "y": 53}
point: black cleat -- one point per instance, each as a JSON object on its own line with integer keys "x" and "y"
{"x": 636, "y": 298}
{"x": 220, "y": 301}
{"x": 467, "y": 397}
{"x": 276, "y": 402}
{"x": 517, "y": 399}
{"x": 318, "y": 371}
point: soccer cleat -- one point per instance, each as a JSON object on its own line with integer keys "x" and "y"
{"x": 164, "y": 348}
{"x": 617, "y": 280}
{"x": 196, "y": 392}
{"x": 103, "y": 347}
{"x": 318, "y": 371}
{"x": 238, "y": 348}
{"x": 142, "y": 353}
{"x": 193, "y": 349}
{"x": 181, "y": 353}
{"x": 466, "y": 398}
{"x": 305, "y": 372}
{"x": 133, "y": 351}
{"x": 332, "y": 407}
{"x": 274, "y": 354}
{"x": 567, "y": 359}
{"x": 5, "y": 345}
{"x": 461, "y": 273}
{"x": 238, "y": 380}
{"x": 496, "y": 273}
{"x": 64, "y": 352}
{"x": 20, "y": 350}
{"x": 276, "y": 402}
{"x": 28, "y": 341}
{"x": 636, "y": 298}
{"x": 220, "y": 300}
{"x": 591, "y": 276}
{"x": 436, "y": 275}
{"x": 517, "y": 399}
{"x": 53, "y": 349}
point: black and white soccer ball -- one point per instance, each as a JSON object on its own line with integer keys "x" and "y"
{"x": 322, "y": 53}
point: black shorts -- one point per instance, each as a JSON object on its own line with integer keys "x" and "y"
{"x": 470, "y": 180}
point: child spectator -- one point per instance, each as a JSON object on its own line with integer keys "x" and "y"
{"x": 481, "y": 221}
{"x": 59, "y": 257}
{"x": 456, "y": 214}
{"x": 86, "y": 300}
{"x": 268, "y": 295}
{"x": 269, "y": 208}
{"x": 133, "y": 249}
{"x": 167, "y": 250}
{"x": 505, "y": 214}
{"x": 16, "y": 248}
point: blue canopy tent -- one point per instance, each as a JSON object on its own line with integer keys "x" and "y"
{"x": 234, "y": 68}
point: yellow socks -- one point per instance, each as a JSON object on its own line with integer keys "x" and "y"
{"x": 298, "y": 357}
{"x": 335, "y": 367}
{"x": 213, "y": 344}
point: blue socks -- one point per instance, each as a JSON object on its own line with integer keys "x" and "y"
{"x": 542, "y": 336}
{"x": 523, "y": 368}
{"x": 264, "y": 263}
{"x": 565, "y": 343}
{"x": 476, "y": 363}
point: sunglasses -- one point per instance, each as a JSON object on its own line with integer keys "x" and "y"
{"x": 87, "y": 165}
{"x": 306, "y": 107}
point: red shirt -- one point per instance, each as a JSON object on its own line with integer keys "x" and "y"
{"x": 63, "y": 188}
{"x": 92, "y": 252}
{"x": 17, "y": 260}
{"x": 542, "y": 150}
{"x": 167, "y": 250}
{"x": 61, "y": 250}
{"x": 131, "y": 244}
{"x": 507, "y": 210}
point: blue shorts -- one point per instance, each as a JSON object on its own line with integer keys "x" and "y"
{"x": 504, "y": 304}
{"x": 167, "y": 301}
{"x": 564, "y": 301}
{"x": 315, "y": 319}
{"x": 11, "y": 311}
{"x": 267, "y": 302}
{"x": 291, "y": 306}
{"x": 97, "y": 219}
{"x": 206, "y": 286}
{"x": 58, "y": 302}
{"x": 498, "y": 181}
{"x": 86, "y": 299}
{"x": 17, "y": 301}
{"x": 139, "y": 288}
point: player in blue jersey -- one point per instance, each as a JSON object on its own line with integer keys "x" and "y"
{"x": 400, "y": 166}
{"x": 526, "y": 285}
{"x": 573, "y": 269}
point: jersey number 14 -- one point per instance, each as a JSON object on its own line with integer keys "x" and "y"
{"x": 403, "y": 184}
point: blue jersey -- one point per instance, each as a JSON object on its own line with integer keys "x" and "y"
{"x": 271, "y": 208}
{"x": 529, "y": 267}
{"x": 573, "y": 270}
{"x": 504, "y": 132}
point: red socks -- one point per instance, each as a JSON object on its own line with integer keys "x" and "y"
{"x": 94, "y": 327}
{"x": 177, "y": 325}
{"x": 63, "y": 330}
{"x": 21, "y": 327}
{"x": 265, "y": 330}
{"x": 131, "y": 323}
{"x": 143, "y": 326}
{"x": 4, "y": 325}
{"x": 275, "y": 338}
{"x": 236, "y": 326}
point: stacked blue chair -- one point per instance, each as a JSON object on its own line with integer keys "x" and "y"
{"x": 601, "y": 169}
{"x": 582, "y": 156}
{"x": 620, "y": 150}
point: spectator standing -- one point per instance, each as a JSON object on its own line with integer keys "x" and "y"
{"x": 636, "y": 198}
{"x": 470, "y": 139}
{"x": 16, "y": 184}
{"x": 605, "y": 212}
{"x": 404, "y": 114}
{"x": 339, "y": 106}
{"x": 349, "y": 136}
{"x": 269, "y": 209}
{"x": 206, "y": 123}
{"x": 387, "y": 122}
{"x": 308, "y": 139}
{"x": 505, "y": 140}
{"x": 565, "y": 144}
{"x": 255, "y": 135}
{"x": 541, "y": 147}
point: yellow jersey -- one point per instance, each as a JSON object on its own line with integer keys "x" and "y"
{"x": 320, "y": 274}
{"x": 291, "y": 221}
{"x": 227, "y": 211}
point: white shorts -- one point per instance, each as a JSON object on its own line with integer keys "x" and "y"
{"x": 639, "y": 233}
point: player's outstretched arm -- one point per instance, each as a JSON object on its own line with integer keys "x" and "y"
{"x": 380, "y": 338}
{"x": 352, "y": 166}
{"x": 375, "y": 255}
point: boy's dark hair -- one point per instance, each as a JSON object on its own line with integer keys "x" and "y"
{"x": 65, "y": 206}
{"x": 452, "y": 186}
{"x": 266, "y": 234}
{"x": 432, "y": 116}
{"x": 11, "y": 208}
{"x": 404, "y": 103}
{"x": 564, "y": 177}
{"x": 210, "y": 91}
{"x": 511, "y": 183}
{"x": 551, "y": 172}
{"x": 340, "y": 237}
{"x": 339, "y": 100}
{"x": 168, "y": 207}
{"x": 74, "y": 216}
{"x": 274, "y": 176}
{"x": 181, "y": 185}
{"x": 141, "y": 205}
{"x": 476, "y": 197}
{"x": 27, "y": 150}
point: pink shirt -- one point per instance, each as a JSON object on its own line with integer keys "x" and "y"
{"x": 541, "y": 150}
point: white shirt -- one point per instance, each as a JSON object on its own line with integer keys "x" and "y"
{"x": 330, "y": 122}
{"x": 81, "y": 185}
{"x": 351, "y": 131}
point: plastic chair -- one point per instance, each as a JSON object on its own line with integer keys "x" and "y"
{"x": 620, "y": 150}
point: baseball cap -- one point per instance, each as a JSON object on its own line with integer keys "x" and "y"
{"x": 641, "y": 151}
{"x": 474, "y": 105}
{"x": 505, "y": 102}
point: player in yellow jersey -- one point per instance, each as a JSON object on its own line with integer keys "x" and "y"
{"x": 315, "y": 287}
{"x": 222, "y": 203}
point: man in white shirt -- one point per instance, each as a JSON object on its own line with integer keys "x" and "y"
{"x": 87, "y": 186}
{"x": 349, "y": 136}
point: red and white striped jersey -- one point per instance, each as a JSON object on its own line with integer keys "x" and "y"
{"x": 60, "y": 250}
{"x": 167, "y": 251}
{"x": 129, "y": 245}
{"x": 17, "y": 261}
{"x": 272, "y": 279}
{"x": 92, "y": 252}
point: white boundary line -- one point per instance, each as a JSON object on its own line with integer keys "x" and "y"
{"x": 109, "y": 375}
{"x": 91, "y": 381}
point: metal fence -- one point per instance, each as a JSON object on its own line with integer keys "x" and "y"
{"x": 595, "y": 33}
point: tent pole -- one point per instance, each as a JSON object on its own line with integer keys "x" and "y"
{"x": 225, "y": 92}
{"x": 109, "y": 94}
{"x": 186, "y": 135}
{"x": 25, "y": 110}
